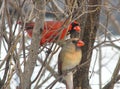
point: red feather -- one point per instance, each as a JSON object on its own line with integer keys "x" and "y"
{"x": 52, "y": 30}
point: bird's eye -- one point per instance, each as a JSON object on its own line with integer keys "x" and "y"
{"x": 74, "y": 41}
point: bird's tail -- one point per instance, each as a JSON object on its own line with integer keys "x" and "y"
{"x": 69, "y": 80}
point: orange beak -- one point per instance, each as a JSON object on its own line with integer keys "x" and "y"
{"x": 77, "y": 28}
{"x": 80, "y": 43}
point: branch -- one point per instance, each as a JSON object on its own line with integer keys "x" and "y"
{"x": 115, "y": 77}
{"x": 33, "y": 52}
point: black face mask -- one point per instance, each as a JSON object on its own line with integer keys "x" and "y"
{"x": 73, "y": 32}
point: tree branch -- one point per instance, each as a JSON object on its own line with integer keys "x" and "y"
{"x": 33, "y": 52}
{"x": 115, "y": 77}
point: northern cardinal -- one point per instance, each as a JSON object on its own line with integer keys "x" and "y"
{"x": 69, "y": 57}
{"x": 53, "y": 30}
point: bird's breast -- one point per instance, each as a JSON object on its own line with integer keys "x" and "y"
{"x": 71, "y": 59}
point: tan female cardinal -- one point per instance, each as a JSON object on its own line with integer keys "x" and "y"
{"x": 53, "y": 30}
{"x": 69, "y": 57}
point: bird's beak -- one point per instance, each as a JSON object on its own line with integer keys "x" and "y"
{"x": 80, "y": 43}
{"x": 77, "y": 28}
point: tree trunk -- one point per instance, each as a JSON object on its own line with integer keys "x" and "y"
{"x": 81, "y": 80}
{"x": 33, "y": 52}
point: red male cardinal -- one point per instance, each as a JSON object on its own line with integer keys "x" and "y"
{"x": 69, "y": 57}
{"x": 53, "y": 30}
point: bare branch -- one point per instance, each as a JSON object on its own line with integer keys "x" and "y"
{"x": 114, "y": 77}
{"x": 33, "y": 52}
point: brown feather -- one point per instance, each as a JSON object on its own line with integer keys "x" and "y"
{"x": 69, "y": 57}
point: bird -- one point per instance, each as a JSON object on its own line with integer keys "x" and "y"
{"x": 68, "y": 58}
{"x": 53, "y": 30}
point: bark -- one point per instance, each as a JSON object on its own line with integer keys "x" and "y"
{"x": 81, "y": 80}
{"x": 33, "y": 52}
